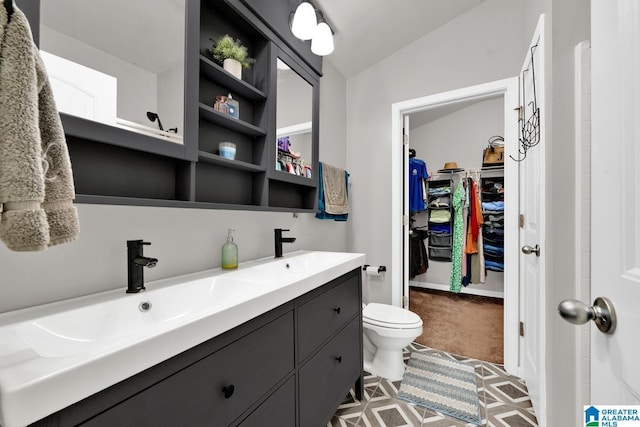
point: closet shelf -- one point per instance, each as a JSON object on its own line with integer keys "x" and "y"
{"x": 215, "y": 159}
{"x": 216, "y": 73}
{"x": 209, "y": 114}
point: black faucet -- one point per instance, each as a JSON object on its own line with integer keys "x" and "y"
{"x": 279, "y": 240}
{"x": 135, "y": 264}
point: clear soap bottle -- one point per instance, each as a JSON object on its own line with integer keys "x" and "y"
{"x": 229, "y": 253}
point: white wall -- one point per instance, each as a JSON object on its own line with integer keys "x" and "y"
{"x": 184, "y": 240}
{"x": 457, "y": 137}
{"x": 485, "y": 44}
{"x": 170, "y": 91}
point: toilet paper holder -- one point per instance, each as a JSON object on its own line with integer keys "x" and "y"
{"x": 381, "y": 268}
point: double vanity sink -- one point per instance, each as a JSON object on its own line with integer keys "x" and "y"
{"x": 55, "y": 355}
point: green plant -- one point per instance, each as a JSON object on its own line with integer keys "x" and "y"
{"x": 228, "y": 48}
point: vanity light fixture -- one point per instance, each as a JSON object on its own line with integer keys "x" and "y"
{"x": 322, "y": 41}
{"x": 304, "y": 22}
{"x": 308, "y": 23}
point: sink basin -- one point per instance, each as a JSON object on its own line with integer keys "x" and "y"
{"x": 79, "y": 345}
{"x": 120, "y": 320}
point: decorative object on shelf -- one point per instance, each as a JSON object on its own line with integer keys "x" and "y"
{"x": 221, "y": 104}
{"x": 227, "y": 150}
{"x": 232, "y": 54}
{"x": 493, "y": 155}
{"x": 308, "y": 23}
{"x": 234, "y": 107}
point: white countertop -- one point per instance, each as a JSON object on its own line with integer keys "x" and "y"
{"x": 54, "y": 355}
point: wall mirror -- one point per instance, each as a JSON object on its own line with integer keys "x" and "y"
{"x": 294, "y": 124}
{"x": 118, "y": 62}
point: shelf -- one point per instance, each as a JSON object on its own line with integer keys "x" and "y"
{"x": 228, "y": 163}
{"x": 216, "y": 73}
{"x": 137, "y": 201}
{"x": 209, "y": 114}
{"x": 293, "y": 179}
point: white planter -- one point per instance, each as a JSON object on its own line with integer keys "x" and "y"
{"x": 233, "y": 66}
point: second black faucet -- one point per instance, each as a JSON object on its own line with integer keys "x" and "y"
{"x": 279, "y": 240}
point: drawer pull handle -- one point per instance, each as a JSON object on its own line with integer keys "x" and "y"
{"x": 339, "y": 359}
{"x": 228, "y": 391}
{"x": 337, "y": 310}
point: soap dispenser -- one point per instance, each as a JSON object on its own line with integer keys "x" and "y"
{"x": 229, "y": 253}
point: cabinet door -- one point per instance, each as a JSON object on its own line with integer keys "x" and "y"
{"x": 215, "y": 390}
{"x": 324, "y": 315}
{"x": 327, "y": 377}
{"x": 278, "y": 410}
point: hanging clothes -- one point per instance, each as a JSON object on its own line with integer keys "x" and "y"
{"x": 418, "y": 173}
{"x": 458, "y": 237}
{"x": 418, "y": 260}
{"x": 36, "y": 180}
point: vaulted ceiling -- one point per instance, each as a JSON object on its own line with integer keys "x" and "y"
{"x": 367, "y": 31}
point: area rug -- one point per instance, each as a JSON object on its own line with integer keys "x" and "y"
{"x": 442, "y": 385}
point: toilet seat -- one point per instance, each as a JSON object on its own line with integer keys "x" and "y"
{"x": 388, "y": 316}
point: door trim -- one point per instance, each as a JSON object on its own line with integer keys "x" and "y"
{"x": 582, "y": 200}
{"x": 508, "y": 89}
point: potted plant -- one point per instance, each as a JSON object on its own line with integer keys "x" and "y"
{"x": 232, "y": 54}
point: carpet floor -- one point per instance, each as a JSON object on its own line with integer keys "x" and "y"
{"x": 462, "y": 324}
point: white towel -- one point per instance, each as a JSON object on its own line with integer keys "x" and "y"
{"x": 36, "y": 181}
{"x": 335, "y": 190}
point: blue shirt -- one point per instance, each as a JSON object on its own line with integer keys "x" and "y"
{"x": 417, "y": 172}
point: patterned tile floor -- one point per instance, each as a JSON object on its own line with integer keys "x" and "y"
{"x": 504, "y": 401}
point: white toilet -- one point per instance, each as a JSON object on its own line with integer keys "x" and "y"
{"x": 387, "y": 330}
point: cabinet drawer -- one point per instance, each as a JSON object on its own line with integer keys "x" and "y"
{"x": 278, "y": 410}
{"x": 324, "y": 315}
{"x": 327, "y": 377}
{"x": 195, "y": 396}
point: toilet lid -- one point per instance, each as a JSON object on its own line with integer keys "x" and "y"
{"x": 390, "y": 316}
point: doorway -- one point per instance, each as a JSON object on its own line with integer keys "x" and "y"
{"x": 507, "y": 90}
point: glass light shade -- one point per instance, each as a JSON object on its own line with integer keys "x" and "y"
{"x": 322, "y": 42}
{"x": 304, "y": 21}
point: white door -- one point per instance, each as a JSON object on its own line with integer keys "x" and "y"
{"x": 532, "y": 181}
{"x": 615, "y": 197}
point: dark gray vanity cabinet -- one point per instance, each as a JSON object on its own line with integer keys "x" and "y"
{"x": 291, "y": 366}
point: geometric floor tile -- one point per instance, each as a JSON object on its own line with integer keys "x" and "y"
{"x": 504, "y": 400}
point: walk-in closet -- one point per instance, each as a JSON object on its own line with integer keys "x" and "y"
{"x": 456, "y": 227}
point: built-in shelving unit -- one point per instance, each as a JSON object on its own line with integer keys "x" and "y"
{"x": 114, "y": 166}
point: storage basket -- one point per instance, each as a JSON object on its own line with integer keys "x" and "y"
{"x": 440, "y": 239}
{"x": 439, "y": 254}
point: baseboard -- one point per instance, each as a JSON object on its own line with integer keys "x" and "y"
{"x": 465, "y": 290}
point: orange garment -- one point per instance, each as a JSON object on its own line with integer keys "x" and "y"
{"x": 476, "y": 221}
